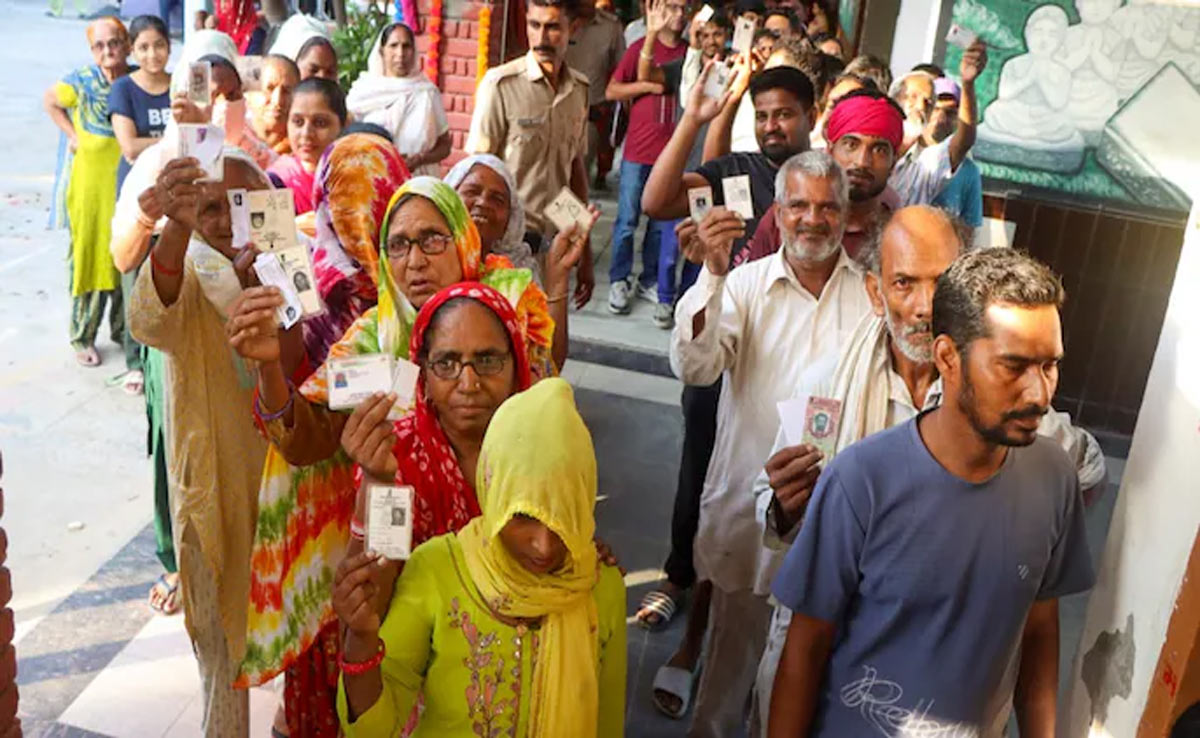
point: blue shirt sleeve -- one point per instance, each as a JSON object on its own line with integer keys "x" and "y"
{"x": 820, "y": 575}
{"x": 1070, "y": 567}
{"x": 120, "y": 101}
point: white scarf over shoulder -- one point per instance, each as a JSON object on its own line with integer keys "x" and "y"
{"x": 410, "y": 108}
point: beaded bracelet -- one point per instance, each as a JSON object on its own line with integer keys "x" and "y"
{"x": 267, "y": 417}
{"x": 357, "y": 669}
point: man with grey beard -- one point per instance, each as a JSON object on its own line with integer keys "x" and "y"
{"x": 884, "y": 377}
{"x": 760, "y": 328}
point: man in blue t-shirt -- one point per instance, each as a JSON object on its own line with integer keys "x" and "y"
{"x": 962, "y": 194}
{"x": 926, "y": 575}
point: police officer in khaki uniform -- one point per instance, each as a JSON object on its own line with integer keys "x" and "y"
{"x": 532, "y": 112}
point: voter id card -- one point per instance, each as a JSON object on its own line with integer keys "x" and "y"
{"x": 389, "y": 521}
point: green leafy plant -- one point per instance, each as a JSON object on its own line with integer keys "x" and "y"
{"x": 353, "y": 43}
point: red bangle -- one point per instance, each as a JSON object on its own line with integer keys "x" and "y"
{"x": 360, "y": 668}
{"x": 158, "y": 267}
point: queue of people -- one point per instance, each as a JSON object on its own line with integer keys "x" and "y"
{"x": 825, "y": 588}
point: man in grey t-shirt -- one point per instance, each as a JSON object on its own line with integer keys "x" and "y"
{"x": 926, "y": 575}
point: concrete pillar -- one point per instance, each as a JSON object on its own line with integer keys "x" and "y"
{"x": 919, "y": 29}
{"x": 1138, "y": 665}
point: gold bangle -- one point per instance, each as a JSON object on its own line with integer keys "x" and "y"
{"x": 560, "y": 298}
{"x": 145, "y": 221}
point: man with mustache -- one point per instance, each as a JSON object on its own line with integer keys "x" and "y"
{"x": 884, "y": 377}
{"x": 864, "y": 131}
{"x": 926, "y": 574}
{"x": 533, "y": 112}
{"x": 760, "y": 327}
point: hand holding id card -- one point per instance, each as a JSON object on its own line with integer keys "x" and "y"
{"x": 199, "y": 81}
{"x": 389, "y": 521}
{"x": 272, "y": 219}
{"x": 353, "y": 379}
{"x": 737, "y": 195}
{"x": 205, "y": 143}
{"x": 567, "y": 210}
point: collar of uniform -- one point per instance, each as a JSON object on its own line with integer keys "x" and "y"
{"x": 779, "y": 269}
{"x": 534, "y": 71}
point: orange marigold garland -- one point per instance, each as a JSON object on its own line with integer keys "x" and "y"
{"x": 433, "y": 56}
{"x": 485, "y": 32}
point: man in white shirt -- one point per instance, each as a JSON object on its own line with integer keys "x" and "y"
{"x": 884, "y": 377}
{"x": 761, "y": 328}
{"x": 924, "y": 169}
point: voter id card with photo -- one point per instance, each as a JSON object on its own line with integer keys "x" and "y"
{"x": 700, "y": 200}
{"x": 717, "y": 81}
{"x": 271, "y": 274}
{"x": 199, "y": 80}
{"x": 353, "y": 379}
{"x": 239, "y": 217}
{"x": 389, "y": 521}
{"x": 272, "y": 219}
{"x": 298, "y": 267}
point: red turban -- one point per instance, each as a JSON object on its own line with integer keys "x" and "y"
{"x": 866, "y": 116}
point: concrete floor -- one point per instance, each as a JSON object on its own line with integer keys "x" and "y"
{"x": 93, "y": 659}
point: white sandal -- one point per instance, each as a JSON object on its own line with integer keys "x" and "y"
{"x": 677, "y": 682}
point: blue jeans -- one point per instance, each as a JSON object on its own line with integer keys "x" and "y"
{"x": 629, "y": 212}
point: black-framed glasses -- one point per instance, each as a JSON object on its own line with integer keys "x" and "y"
{"x": 431, "y": 244}
{"x": 485, "y": 365}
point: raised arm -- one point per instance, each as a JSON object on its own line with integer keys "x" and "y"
{"x": 974, "y": 60}
{"x": 719, "y": 140}
{"x": 665, "y": 194}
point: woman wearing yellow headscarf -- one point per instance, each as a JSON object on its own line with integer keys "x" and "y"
{"x": 510, "y": 626}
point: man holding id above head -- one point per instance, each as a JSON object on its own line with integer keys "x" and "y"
{"x": 532, "y": 113}
{"x": 179, "y": 306}
{"x": 762, "y": 326}
{"x": 973, "y": 519}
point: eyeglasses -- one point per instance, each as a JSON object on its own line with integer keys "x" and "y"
{"x": 113, "y": 44}
{"x": 487, "y": 365}
{"x": 431, "y": 244}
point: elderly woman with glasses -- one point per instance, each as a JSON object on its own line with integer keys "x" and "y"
{"x": 78, "y": 106}
{"x": 427, "y": 243}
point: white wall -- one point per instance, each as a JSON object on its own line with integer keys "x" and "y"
{"x": 916, "y": 33}
{"x": 1156, "y": 519}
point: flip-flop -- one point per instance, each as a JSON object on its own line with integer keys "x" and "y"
{"x": 88, "y": 357}
{"x": 677, "y": 682}
{"x": 134, "y": 382}
{"x": 657, "y": 603}
{"x": 168, "y": 604}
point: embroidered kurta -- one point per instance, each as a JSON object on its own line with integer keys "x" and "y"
{"x": 474, "y": 671}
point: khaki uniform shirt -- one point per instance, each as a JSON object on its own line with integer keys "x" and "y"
{"x": 596, "y": 50}
{"x": 536, "y": 129}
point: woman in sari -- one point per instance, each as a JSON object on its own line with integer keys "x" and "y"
{"x": 489, "y": 191}
{"x": 307, "y": 497}
{"x": 509, "y": 626}
{"x": 316, "y": 118}
{"x": 395, "y": 93}
{"x": 78, "y": 106}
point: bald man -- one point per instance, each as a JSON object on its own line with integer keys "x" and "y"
{"x": 884, "y": 377}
